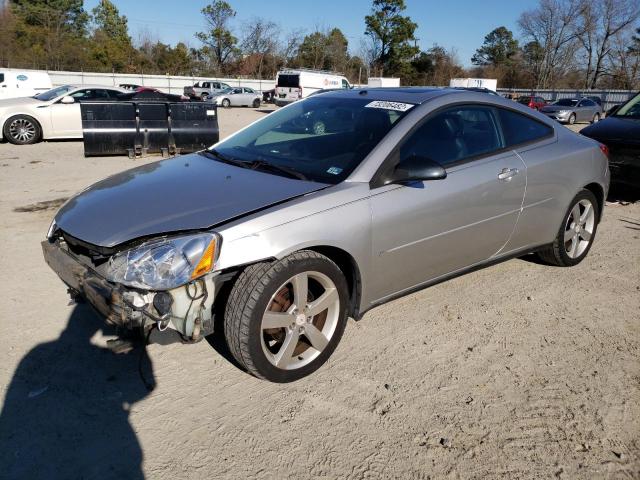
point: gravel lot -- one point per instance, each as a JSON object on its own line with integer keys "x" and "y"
{"x": 516, "y": 371}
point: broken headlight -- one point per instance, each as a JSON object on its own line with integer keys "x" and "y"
{"x": 165, "y": 263}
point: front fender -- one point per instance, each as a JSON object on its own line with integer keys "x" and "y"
{"x": 346, "y": 227}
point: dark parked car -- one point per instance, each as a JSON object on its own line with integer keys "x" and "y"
{"x": 621, "y": 133}
{"x": 532, "y": 101}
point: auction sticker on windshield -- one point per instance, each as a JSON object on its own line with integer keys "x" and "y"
{"x": 397, "y": 106}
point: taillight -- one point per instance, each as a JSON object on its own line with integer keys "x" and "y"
{"x": 300, "y": 94}
{"x": 604, "y": 149}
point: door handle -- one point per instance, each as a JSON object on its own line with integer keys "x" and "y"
{"x": 507, "y": 173}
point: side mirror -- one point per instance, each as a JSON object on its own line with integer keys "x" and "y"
{"x": 68, "y": 100}
{"x": 418, "y": 169}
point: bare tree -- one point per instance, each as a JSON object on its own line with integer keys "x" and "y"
{"x": 259, "y": 39}
{"x": 601, "y": 22}
{"x": 552, "y": 25}
{"x": 291, "y": 44}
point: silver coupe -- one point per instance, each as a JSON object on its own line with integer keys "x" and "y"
{"x": 276, "y": 235}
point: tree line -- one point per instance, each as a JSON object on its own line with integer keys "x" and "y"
{"x": 559, "y": 44}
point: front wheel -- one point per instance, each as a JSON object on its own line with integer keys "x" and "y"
{"x": 572, "y": 119}
{"x": 576, "y": 233}
{"x": 226, "y": 103}
{"x": 22, "y": 130}
{"x": 284, "y": 319}
{"x": 596, "y": 118}
{"x": 256, "y": 103}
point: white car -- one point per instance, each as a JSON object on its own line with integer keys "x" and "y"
{"x": 49, "y": 115}
{"x": 238, "y": 97}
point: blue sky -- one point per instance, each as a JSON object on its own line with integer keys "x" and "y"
{"x": 459, "y": 24}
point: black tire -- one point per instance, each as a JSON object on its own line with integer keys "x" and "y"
{"x": 557, "y": 253}
{"x": 596, "y": 118}
{"x": 256, "y": 103}
{"x": 226, "y": 103}
{"x": 572, "y": 119}
{"x": 248, "y": 302}
{"x": 204, "y": 97}
{"x": 30, "y": 123}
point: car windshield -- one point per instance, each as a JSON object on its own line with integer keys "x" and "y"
{"x": 631, "y": 109}
{"x": 53, "y": 93}
{"x": 524, "y": 100}
{"x": 567, "y": 102}
{"x": 322, "y": 139}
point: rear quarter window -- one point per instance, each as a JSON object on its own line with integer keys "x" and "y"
{"x": 1, "y": 77}
{"x": 518, "y": 128}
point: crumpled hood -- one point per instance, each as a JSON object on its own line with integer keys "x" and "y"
{"x": 190, "y": 192}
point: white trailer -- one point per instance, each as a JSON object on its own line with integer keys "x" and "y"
{"x": 375, "y": 82}
{"x": 489, "y": 83}
{"x": 16, "y": 83}
{"x": 292, "y": 85}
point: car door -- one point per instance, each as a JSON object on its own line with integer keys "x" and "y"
{"x": 66, "y": 119}
{"x": 582, "y": 110}
{"x": 235, "y": 97}
{"x": 425, "y": 230}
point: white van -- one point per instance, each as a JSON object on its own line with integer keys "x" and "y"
{"x": 292, "y": 85}
{"x": 22, "y": 83}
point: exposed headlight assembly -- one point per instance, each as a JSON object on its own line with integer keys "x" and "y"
{"x": 165, "y": 263}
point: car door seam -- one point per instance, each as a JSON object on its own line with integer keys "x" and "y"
{"x": 524, "y": 196}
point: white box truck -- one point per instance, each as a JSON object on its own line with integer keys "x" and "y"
{"x": 292, "y": 85}
{"x": 376, "y": 82}
{"x": 22, "y": 83}
{"x": 488, "y": 83}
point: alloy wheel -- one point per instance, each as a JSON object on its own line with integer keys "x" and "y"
{"x": 300, "y": 320}
{"x": 22, "y": 130}
{"x": 579, "y": 228}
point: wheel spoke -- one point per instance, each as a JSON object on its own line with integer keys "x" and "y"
{"x": 568, "y": 235}
{"x": 585, "y": 214}
{"x": 575, "y": 213}
{"x": 300, "y": 289}
{"x": 316, "y": 337}
{"x": 276, "y": 319}
{"x": 283, "y": 357}
{"x": 585, "y": 235}
{"x": 574, "y": 246}
{"x": 323, "y": 302}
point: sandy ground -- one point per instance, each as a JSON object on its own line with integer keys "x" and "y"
{"x": 516, "y": 371}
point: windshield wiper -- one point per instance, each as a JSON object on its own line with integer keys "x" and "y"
{"x": 225, "y": 159}
{"x": 261, "y": 164}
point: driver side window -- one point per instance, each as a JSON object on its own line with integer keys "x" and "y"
{"x": 454, "y": 135}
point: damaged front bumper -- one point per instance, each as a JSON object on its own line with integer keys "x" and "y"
{"x": 186, "y": 310}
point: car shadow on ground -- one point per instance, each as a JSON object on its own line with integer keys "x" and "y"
{"x": 66, "y": 410}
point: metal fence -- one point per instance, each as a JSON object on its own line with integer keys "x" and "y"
{"x": 609, "y": 97}
{"x": 166, "y": 83}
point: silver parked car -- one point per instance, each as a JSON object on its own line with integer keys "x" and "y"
{"x": 275, "y": 236}
{"x": 572, "y": 110}
{"x": 238, "y": 97}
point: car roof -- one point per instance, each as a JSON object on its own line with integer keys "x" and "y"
{"x": 415, "y": 95}
{"x": 89, "y": 85}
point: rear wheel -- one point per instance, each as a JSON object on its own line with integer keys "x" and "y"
{"x": 284, "y": 319}
{"x": 576, "y": 233}
{"x": 204, "y": 97}
{"x": 22, "y": 130}
{"x": 596, "y": 118}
